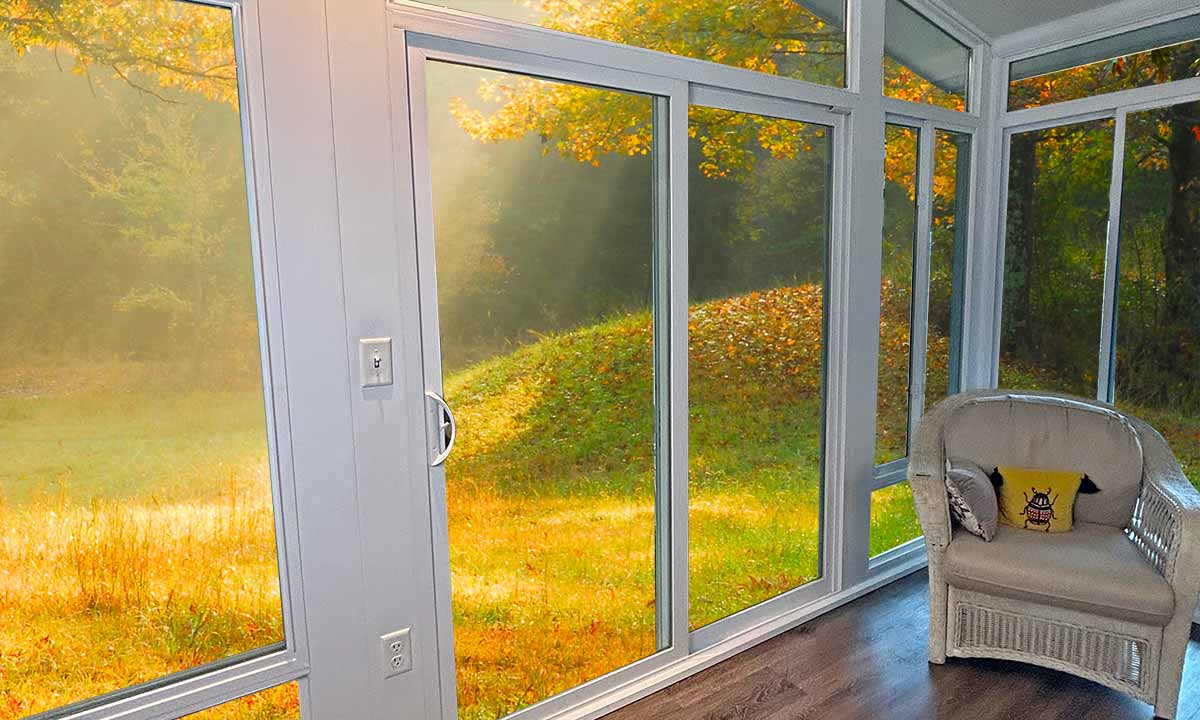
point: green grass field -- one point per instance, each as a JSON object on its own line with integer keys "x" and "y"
{"x": 551, "y": 501}
{"x": 137, "y": 519}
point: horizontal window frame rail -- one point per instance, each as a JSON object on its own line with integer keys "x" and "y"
{"x": 195, "y": 693}
{"x": 1008, "y": 132}
{"x": 914, "y": 112}
{"x": 890, "y": 473}
{"x": 718, "y": 631}
{"x": 426, "y": 20}
{"x": 439, "y": 48}
{"x": 740, "y": 101}
{"x": 1133, "y": 99}
{"x": 903, "y": 554}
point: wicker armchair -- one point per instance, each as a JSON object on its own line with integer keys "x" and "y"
{"x": 1111, "y": 601}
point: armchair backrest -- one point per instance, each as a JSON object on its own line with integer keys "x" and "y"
{"x": 1004, "y": 427}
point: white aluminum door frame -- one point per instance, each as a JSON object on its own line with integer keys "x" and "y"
{"x": 670, "y": 371}
{"x": 411, "y": 50}
{"x": 836, "y": 291}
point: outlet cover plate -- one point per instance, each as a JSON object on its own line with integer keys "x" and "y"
{"x": 396, "y": 652}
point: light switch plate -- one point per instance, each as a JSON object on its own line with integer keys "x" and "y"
{"x": 375, "y": 361}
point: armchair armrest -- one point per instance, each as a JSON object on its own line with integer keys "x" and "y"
{"x": 926, "y": 477}
{"x": 1166, "y": 519}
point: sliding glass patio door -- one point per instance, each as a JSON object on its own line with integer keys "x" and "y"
{"x": 761, "y": 219}
{"x": 544, "y": 285}
{"x": 578, "y": 335}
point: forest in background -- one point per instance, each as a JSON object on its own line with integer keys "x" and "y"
{"x": 1057, "y": 223}
{"x": 125, "y": 272}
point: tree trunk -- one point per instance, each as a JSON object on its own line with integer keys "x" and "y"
{"x": 1021, "y": 245}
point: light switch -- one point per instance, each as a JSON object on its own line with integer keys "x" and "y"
{"x": 375, "y": 361}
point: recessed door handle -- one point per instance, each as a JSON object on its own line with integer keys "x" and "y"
{"x": 446, "y": 429}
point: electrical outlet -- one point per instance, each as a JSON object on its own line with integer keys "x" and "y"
{"x": 396, "y": 652}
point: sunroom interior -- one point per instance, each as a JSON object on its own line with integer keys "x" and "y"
{"x": 558, "y": 359}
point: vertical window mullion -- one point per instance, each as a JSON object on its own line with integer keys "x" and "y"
{"x": 960, "y": 262}
{"x": 918, "y": 333}
{"x": 1105, "y": 374}
{"x": 671, "y": 166}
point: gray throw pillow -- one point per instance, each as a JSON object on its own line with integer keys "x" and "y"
{"x": 972, "y": 498}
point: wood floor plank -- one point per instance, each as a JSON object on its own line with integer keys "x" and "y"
{"x": 868, "y": 660}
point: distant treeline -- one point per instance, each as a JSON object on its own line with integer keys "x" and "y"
{"x": 123, "y": 222}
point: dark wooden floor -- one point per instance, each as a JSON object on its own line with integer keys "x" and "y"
{"x": 868, "y": 660}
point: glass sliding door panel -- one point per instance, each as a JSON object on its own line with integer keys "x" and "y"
{"x": 759, "y": 230}
{"x": 1054, "y": 257}
{"x": 800, "y": 39}
{"x": 137, "y": 533}
{"x": 893, "y": 518}
{"x": 896, "y": 293}
{"x": 1158, "y": 311}
{"x": 947, "y": 263}
{"x": 545, "y": 255}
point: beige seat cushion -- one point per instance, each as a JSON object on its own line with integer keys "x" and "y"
{"x": 1095, "y": 568}
{"x": 1054, "y": 435}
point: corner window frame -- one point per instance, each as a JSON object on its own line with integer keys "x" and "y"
{"x": 927, "y": 123}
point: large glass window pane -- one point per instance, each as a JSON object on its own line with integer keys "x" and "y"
{"x": 759, "y": 224}
{"x": 921, "y": 62}
{"x": 137, "y": 536}
{"x": 1149, "y": 56}
{"x": 1158, "y": 316}
{"x": 801, "y": 39}
{"x": 277, "y": 703}
{"x": 896, "y": 293}
{"x": 947, "y": 263}
{"x": 545, "y": 270}
{"x": 893, "y": 518}
{"x": 1054, "y": 257}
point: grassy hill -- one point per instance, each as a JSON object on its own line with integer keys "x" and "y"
{"x": 551, "y": 495}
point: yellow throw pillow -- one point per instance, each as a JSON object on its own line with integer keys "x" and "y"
{"x": 1042, "y": 500}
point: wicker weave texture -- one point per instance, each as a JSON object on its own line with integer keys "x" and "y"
{"x": 1122, "y": 660}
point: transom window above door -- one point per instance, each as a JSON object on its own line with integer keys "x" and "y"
{"x": 802, "y": 40}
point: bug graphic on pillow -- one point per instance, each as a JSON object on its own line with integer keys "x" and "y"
{"x": 1039, "y": 510}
